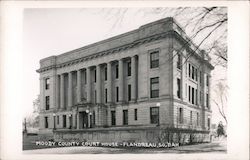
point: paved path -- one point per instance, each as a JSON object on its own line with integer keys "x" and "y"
{"x": 218, "y": 146}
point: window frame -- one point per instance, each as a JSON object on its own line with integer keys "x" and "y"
{"x": 154, "y": 93}
{"x": 129, "y": 68}
{"x": 95, "y": 75}
{"x": 154, "y": 118}
{"x": 47, "y": 83}
{"x": 64, "y": 121}
{"x": 116, "y": 71}
{"x": 46, "y": 122}
{"x": 180, "y": 114}
{"x": 125, "y": 117}
{"x": 113, "y": 118}
{"x": 178, "y": 87}
{"x": 178, "y": 64}
{"x": 57, "y": 119}
{"x": 47, "y": 103}
{"x": 105, "y": 74}
{"x": 154, "y": 63}
{"x": 129, "y": 92}
{"x": 135, "y": 114}
{"x": 106, "y": 95}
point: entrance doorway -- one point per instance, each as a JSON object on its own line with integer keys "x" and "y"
{"x": 83, "y": 120}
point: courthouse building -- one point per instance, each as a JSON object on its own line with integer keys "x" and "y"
{"x": 139, "y": 81}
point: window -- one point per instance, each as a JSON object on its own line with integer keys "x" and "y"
{"x": 93, "y": 118}
{"x": 189, "y": 70}
{"x": 207, "y": 82}
{"x": 46, "y": 123}
{"x": 200, "y": 98}
{"x": 117, "y": 94}
{"x": 125, "y": 117}
{"x": 47, "y": 103}
{"x": 129, "y": 92}
{"x": 57, "y": 117}
{"x": 180, "y": 118}
{"x": 191, "y": 117}
{"x": 192, "y": 72}
{"x": 197, "y": 121}
{"x": 196, "y": 74}
{"x": 192, "y": 95}
{"x": 154, "y": 87}
{"x": 105, "y": 73}
{"x": 154, "y": 59}
{"x": 186, "y": 90}
{"x": 135, "y": 114}
{"x": 208, "y": 123}
{"x": 113, "y": 119}
{"x": 116, "y": 71}
{"x": 196, "y": 96}
{"x": 47, "y": 83}
{"x": 154, "y": 115}
{"x": 129, "y": 69}
{"x": 178, "y": 61}
{"x": 106, "y": 95}
{"x": 94, "y": 75}
{"x": 178, "y": 88}
{"x": 207, "y": 100}
{"x": 200, "y": 78}
{"x": 64, "y": 121}
{"x": 189, "y": 93}
{"x": 95, "y": 97}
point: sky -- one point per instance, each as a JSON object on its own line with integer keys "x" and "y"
{"x": 48, "y": 32}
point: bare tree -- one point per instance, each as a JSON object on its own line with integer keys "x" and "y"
{"x": 33, "y": 119}
{"x": 221, "y": 101}
{"x": 206, "y": 26}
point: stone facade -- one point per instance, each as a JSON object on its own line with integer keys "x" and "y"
{"x": 148, "y": 77}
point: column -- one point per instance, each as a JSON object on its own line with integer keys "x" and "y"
{"x": 98, "y": 83}
{"x": 70, "y": 96}
{"x": 62, "y": 91}
{"x": 121, "y": 81}
{"x": 88, "y": 85}
{"x": 58, "y": 91}
{"x": 79, "y": 86}
{"x": 133, "y": 79}
{"x": 109, "y": 82}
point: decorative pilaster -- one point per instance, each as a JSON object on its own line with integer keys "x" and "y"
{"x": 79, "y": 86}
{"x": 98, "y": 84}
{"x": 58, "y": 91}
{"x": 70, "y": 89}
{"x": 133, "y": 79}
{"x": 109, "y": 82}
{"x": 88, "y": 85}
{"x": 121, "y": 81}
{"x": 62, "y": 98}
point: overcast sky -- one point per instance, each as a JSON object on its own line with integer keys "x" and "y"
{"x": 48, "y": 32}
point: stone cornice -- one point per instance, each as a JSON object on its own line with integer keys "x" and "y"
{"x": 134, "y": 44}
{"x": 107, "y": 52}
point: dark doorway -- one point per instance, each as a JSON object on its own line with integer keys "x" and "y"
{"x": 83, "y": 120}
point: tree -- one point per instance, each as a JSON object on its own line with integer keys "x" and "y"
{"x": 206, "y": 26}
{"x": 221, "y": 100}
{"x": 33, "y": 120}
{"x": 220, "y": 129}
